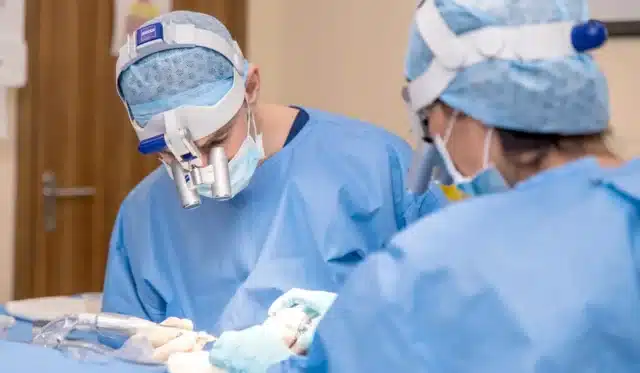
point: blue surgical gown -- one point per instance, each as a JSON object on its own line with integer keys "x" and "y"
{"x": 544, "y": 278}
{"x": 312, "y": 211}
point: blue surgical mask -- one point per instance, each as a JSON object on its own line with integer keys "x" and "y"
{"x": 244, "y": 163}
{"x": 487, "y": 181}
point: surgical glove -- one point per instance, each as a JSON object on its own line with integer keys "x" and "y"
{"x": 167, "y": 341}
{"x": 191, "y": 362}
{"x": 316, "y": 303}
{"x": 315, "y": 300}
{"x": 252, "y": 350}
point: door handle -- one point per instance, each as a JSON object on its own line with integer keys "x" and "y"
{"x": 51, "y": 193}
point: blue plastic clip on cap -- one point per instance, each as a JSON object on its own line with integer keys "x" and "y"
{"x": 589, "y": 35}
{"x": 149, "y": 33}
{"x": 152, "y": 145}
{"x": 188, "y": 157}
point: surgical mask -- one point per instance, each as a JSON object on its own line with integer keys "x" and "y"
{"x": 244, "y": 163}
{"x": 487, "y": 181}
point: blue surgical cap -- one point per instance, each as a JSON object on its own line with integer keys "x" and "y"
{"x": 561, "y": 96}
{"x": 184, "y": 76}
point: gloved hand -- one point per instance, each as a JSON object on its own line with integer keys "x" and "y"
{"x": 191, "y": 362}
{"x": 255, "y": 349}
{"x": 252, "y": 350}
{"x": 168, "y": 341}
{"x": 316, "y": 300}
{"x": 316, "y": 303}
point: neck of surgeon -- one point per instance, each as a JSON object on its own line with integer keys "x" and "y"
{"x": 274, "y": 122}
{"x": 519, "y": 160}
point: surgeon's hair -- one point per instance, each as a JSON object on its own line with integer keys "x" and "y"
{"x": 529, "y": 150}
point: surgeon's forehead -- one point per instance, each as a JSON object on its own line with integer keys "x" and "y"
{"x": 219, "y": 135}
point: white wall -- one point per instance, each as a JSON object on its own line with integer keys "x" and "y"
{"x": 347, "y": 56}
{"x": 7, "y": 198}
{"x": 619, "y": 60}
{"x": 339, "y": 55}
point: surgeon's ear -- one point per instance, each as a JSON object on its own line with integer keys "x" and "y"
{"x": 252, "y": 84}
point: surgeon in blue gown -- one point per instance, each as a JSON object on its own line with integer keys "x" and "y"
{"x": 539, "y": 272}
{"x": 328, "y": 191}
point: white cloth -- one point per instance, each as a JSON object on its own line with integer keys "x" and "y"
{"x": 191, "y": 362}
{"x": 51, "y": 308}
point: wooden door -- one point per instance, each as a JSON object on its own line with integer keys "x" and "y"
{"x": 72, "y": 127}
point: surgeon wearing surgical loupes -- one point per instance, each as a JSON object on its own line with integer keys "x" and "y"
{"x": 539, "y": 271}
{"x": 306, "y": 194}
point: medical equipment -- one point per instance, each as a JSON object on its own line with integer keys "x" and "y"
{"x": 214, "y": 178}
{"x": 111, "y": 323}
{"x": 56, "y": 335}
{"x": 311, "y": 303}
{"x": 291, "y": 322}
{"x": 418, "y": 176}
{"x": 250, "y": 350}
{"x": 314, "y": 304}
{"x": 255, "y": 349}
{"x": 177, "y": 129}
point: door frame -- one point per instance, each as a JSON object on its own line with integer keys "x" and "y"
{"x": 27, "y": 183}
{"x": 29, "y": 151}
